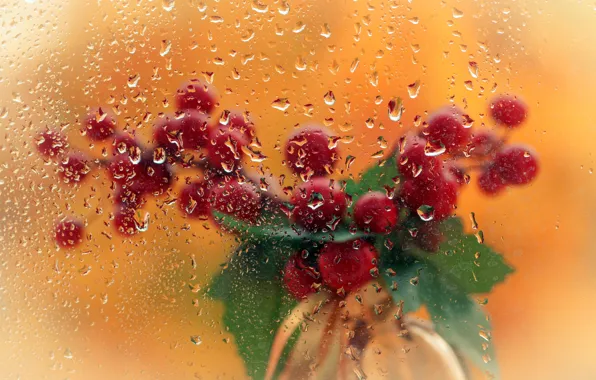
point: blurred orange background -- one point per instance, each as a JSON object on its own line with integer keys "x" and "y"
{"x": 132, "y": 314}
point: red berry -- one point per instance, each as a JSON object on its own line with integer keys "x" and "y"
{"x": 238, "y": 199}
{"x": 239, "y": 122}
{"x": 413, "y": 162}
{"x": 455, "y": 173}
{"x": 129, "y": 197}
{"x": 299, "y": 278}
{"x": 429, "y": 236}
{"x": 167, "y": 135}
{"x": 99, "y": 125}
{"x": 197, "y": 96}
{"x": 490, "y": 181}
{"x": 446, "y": 129}
{"x": 51, "y": 143}
{"x": 375, "y": 212}
{"x": 348, "y": 265}
{"x": 152, "y": 177}
{"x": 69, "y": 233}
{"x": 225, "y": 151}
{"x": 308, "y": 152}
{"x": 431, "y": 199}
{"x": 318, "y": 204}
{"x": 121, "y": 169}
{"x": 125, "y": 222}
{"x": 195, "y": 130}
{"x": 517, "y": 165}
{"x": 74, "y": 168}
{"x": 194, "y": 200}
{"x": 484, "y": 143}
{"x": 508, "y": 111}
{"x": 125, "y": 144}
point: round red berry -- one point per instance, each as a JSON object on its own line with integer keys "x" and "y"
{"x": 225, "y": 150}
{"x": 446, "y": 129}
{"x": 167, "y": 135}
{"x": 508, "y": 111}
{"x": 99, "y": 125}
{"x": 194, "y": 200}
{"x": 299, "y": 279}
{"x": 121, "y": 169}
{"x": 348, "y": 265}
{"x": 51, "y": 143}
{"x": 455, "y": 173}
{"x": 68, "y": 233}
{"x": 129, "y": 197}
{"x": 125, "y": 143}
{"x": 74, "y": 169}
{"x": 412, "y": 161}
{"x": 517, "y": 165}
{"x": 375, "y": 212}
{"x": 241, "y": 123}
{"x": 431, "y": 199}
{"x": 308, "y": 152}
{"x": 196, "y": 95}
{"x": 484, "y": 143}
{"x": 238, "y": 199}
{"x": 152, "y": 177}
{"x": 490, "y": 181}
{"x": 125, "y": 222}
{"x": 319, "y": 204}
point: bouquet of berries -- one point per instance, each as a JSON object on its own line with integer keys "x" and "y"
{"x": 321, "y": 244}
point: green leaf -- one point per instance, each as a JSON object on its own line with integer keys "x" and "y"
{"x": 278, "y": 229}
{"x": 458, "y": 319}
{"x": 255, "y": 305}
{"x": 463, "y": 261}
{"x": 406, "y": 278}
{"x": 375, "y": 178}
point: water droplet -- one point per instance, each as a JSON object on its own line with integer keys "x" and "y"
{"x": 395, "y": 109}
{"x": 325, "y": 31}
{"x": 473, "y": 69}
{"x": 316, "y": 200}
{"x": 299, "y": 27}
{"x": 196, "y": 340}
{"x": 281, "y": 104}
{"x": 457, "y": 13}
{"x": 432, "y": 150}
{"x": 354, "y": 65}
{"x": 259, "y": 7}
{"x": 68, "y": 353}
{"x": 133, "y": 80}
{"x": 414, "y": 89}
{"x": 166, "y": 46}
{"x": 329, "y": 98}
{"x": 168, "y": 5}
{"x": 426, "y": 213}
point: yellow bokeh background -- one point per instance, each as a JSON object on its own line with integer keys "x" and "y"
{"x": 131, "y": 316}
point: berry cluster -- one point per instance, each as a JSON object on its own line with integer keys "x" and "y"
{"x": 433, "y": 165}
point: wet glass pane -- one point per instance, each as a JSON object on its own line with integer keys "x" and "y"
{"x": 296, "y": 189}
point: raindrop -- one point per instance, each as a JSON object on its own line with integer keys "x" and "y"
{"x": 473, "y": 69}
{"x": 259, "y": 7}
{"x": 414, "y": 89}
{"x": 167, "y": 5}
{"x": 166, "y": 46}
{"x": 395, "y": 109}
{"x": 426, "y": 213}
{"x": 329, "y": 98}
{"x": 281, "y": 104}
{"x": 196, "y": 340}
